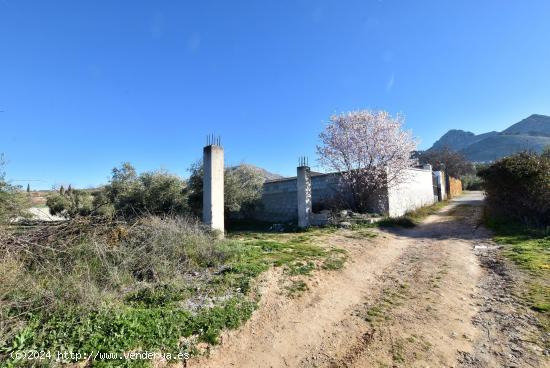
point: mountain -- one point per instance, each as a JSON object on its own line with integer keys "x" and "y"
{"x": 532, "y": 134}
{"x": 457, "y": 140}
{"x": 533, "y": 125}
{"x": 493, "y": 148}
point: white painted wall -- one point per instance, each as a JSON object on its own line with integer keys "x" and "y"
{"x": 415, "y": 192}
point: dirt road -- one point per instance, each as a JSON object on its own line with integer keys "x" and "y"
{"x": 437, "y": 295}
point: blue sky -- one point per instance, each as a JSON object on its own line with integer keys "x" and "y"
{"x": 86, "y": 85}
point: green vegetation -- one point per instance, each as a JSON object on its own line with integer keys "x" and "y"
{"x": 518, "y": 189}
{"x": 116, "y": 286}
{"x": 13, "y": 202}
{"x": 361, "y": 231}
{"x": 473, "y": 181}
{"x": 529, "y": 249}
{"x": 71, "y": 203}
{"x": 518, "y": 211}
{"x": 129, "y": 195}
{"x": 243, "y": 186}
{"x": 412, "y": 218}
{"x": 296, "y": 288}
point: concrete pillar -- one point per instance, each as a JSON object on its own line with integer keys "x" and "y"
{"x": 303, "y": 186}
{"x": 213, "y": 196}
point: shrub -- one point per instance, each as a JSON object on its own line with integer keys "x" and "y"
{"x": 243, "y": 187}
{"x": 12, "y": 201}
{"x": 71, "y": 203}
{"x": 86, "y": 265}
{"x": 153, "y": 193}
{"x": 472, "y": 182}
{"x": 518, "y": 188}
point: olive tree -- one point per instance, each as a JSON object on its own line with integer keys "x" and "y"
{"x": 242, "y": 188}
{"x": 369, "y": 149}
{"x": 154, "y": 192}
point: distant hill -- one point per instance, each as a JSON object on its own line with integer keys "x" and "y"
{"x": 266, "y": 174}
{"x": 457, "y": 140}
{"x": 532, "y": 133}
{"x": 534, "y": 125}
{"x": 493, "y": 148}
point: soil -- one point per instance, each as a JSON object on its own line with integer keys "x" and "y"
{"x": 437, "y": 295}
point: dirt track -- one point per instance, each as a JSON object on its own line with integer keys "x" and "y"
{"x": 437, "y": 295}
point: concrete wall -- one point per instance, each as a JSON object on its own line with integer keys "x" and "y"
{"x": 415, "y": 192}
{"x": 279, "y": 199}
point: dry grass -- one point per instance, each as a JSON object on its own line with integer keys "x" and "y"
{"x": 88, "y": 284}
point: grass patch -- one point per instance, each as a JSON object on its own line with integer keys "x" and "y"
{"x": 301, "y": 268}
{"x": 530, "y": 249}
{"x": 390, "y": 299}
{"x": 296, "y": 288}
{"x": 334, "y": 263}
{"x": 360, "y": 232}
{"x": 412, "y": 218}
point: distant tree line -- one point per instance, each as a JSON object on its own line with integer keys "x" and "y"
{"x": 129, "y": 194}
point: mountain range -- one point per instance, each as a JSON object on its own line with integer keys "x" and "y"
{"x": 530, "y": 134}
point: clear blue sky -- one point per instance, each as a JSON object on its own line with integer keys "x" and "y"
{"x": 86, "y": 85}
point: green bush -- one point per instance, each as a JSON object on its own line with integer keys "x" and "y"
{"x": 518, "y": 188}
{"x": 150, "y": 193}
{"x": 243, "y": 187}
{"x": 13, "y": 202}
{"x": 71, "y": 203}
{"x": 472, "y": 182}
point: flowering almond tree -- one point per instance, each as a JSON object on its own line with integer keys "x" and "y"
{"x": 369, "y": 149}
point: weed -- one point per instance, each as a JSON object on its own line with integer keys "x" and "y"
{"x": 360, "y": 233}
{"x": 334, "y": 263}
{"x": 296, "y": 288}
{"x": 529, "y": 248}
{"x": 301, "y": 268}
